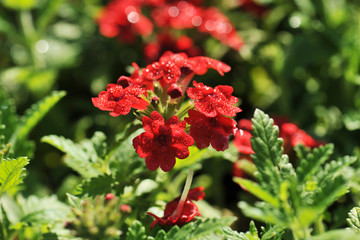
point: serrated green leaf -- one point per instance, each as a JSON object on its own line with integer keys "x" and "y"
{"x": 136, "y": 231}
{"x": 252, "y": 234}
{"x": 74, "y": 201}
{"x": 161, "y": 235}
{"x": 268, "y": 151}
{"x": 354, "y": 219}
{"x": 310, "y": 162}
{"x": 256, "y": 190}
{"x": 230, "y": 234}
{"x": 45, "y": 210}
{"x": 258, "y": 212}
{"x": 82, "y": 157}
{"x": 32, "y": 117}
{"x": 12, "y": 172}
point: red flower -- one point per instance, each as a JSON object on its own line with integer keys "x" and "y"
{"x": 119, "y": 100}
{"x": 293, "y": 136}
{"x": 189, "y": 210}
{"x": 162, "y": 141}
{"x": 124, "y": 18}
{"x": 213, "y": 101}
{"x": 136, "y": 79}
{"x": 214, "y": 130}
{"x": 242, "y": 142}
{"x": 172, "y": 66}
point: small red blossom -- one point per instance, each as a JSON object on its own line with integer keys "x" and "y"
{"x": 213, "y": 101}
{"x": 188, "y": 212}
{"x": 215, "y": 130}
{"x": 125, "y": 208}
{"x": 109, "y": 196}
{"x": 174, "y": 91}
{"x": 119, "y": 100}
{"x": 162, "y": 142}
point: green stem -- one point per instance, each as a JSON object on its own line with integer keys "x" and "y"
{"x": 184, "y": 194}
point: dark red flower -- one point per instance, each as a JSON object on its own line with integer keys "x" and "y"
{"x": 253, "y": 7}
{"x": 188, "y": 212}
{"x": 214, "y": 130}
{"x": 123, "y": 18}
{"x": 174, "y": 91}
{"x": 119, "y": 100}
{"x": 213, "y": 101}
{"x": 136, "y": 79}
{"x": 162, "y": 141}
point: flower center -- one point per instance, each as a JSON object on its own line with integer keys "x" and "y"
{"x": 162, "y": 139}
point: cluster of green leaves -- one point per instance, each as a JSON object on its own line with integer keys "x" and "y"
{"x": 292, "y": 198}
{"x": 21, "y": 213}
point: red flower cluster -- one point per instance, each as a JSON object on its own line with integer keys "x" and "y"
{"x": 119, "y": 100}
{"x": 188, "y": 212}
{"x": 162, "y": 142}
{"x": 123, "y": 18}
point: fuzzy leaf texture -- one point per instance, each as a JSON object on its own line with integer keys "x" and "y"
{"x": 136, "y": 231}
{"x": 354, "y": 219}
{"x": 12, "y": 172}
{"x": 268, "y": 151}
{"x": 32, "y": 116}
{"x": 82, "y": 157}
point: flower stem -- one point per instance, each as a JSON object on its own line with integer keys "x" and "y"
{"x": 184, "y": 194}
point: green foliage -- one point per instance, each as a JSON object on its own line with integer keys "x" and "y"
{"x": 84, "y": 157}
{"x": 136, "y": 231}
{"x": 293, "y": 198}
{"x": 354, "y": 219}
{"x": 12, "y": 172}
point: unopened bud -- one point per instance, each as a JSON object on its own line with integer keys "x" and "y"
{"x": 125, "y": 208}
{"x": 109, "y": 196}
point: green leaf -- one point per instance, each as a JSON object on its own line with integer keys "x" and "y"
{"x": 82, "y": 157}
{"x": 354, "y": 219}
{"x": 32, "y": 117}
{"x": 252, "y": 234}
{"x": 230, "y": 234}
{"x": 310, "y": 162}
{"x": 12, "y": 172}
{"x": 45, "y": 210}
{"x": 136, "y": 231}
{"x": 343, "y": 234}
{"x": 161, "y": 235}
{"x": 99, "y": 185}
{"x": 74, "y": 201}
{"x": 268, "y": 151}
{"x": 20, "y": 4}
{"x": 256, "y": 190}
